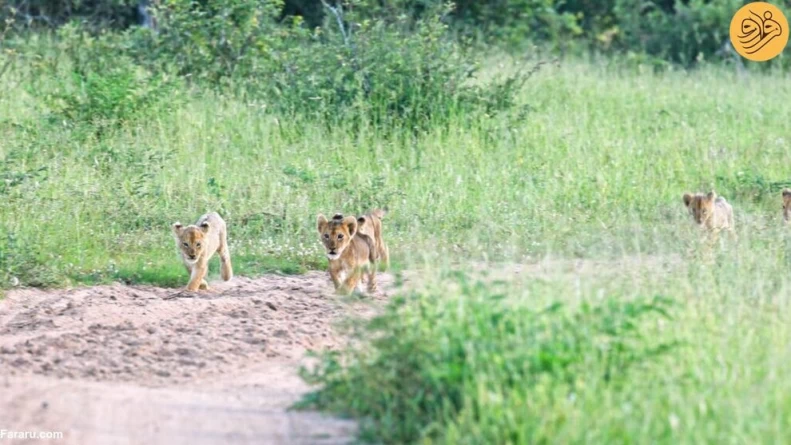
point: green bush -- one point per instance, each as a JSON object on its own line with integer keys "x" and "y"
{"x": 510, "y": 22}
{"x": 22, "y": 264}
{"x": 212, "y": 40}
{"x": 353, "y": 70}
{"x": 678, "y": 31}
{"x": 468, "y": 349}
{"x": 50, "y": 13}
{"x": 92, "y": 81}
{"x": 216, "y": 39}
{"x": 687, "y": 33}
{"x": 389, "y": 74}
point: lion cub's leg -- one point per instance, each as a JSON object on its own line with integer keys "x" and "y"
{"x": 709, "y": 246}
{"x": 351, "y": 282}
{"x": 372, "y": 277}
{"x": 226, "y": 270}
{"x": 384, "y": 256}
{"x": 198, "y": 275}
{"x": 336, "y": 282}
{"x": 203, "y": 284}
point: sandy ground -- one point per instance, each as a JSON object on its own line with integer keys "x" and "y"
{"x": 145, "y": 365}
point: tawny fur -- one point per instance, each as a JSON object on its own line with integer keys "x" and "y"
{"x": 198, "y": 243}
{"x": 349, "y": 254}
{"x": 370, "y": 225}
{"x": 787, "y": 206}
{"x": 710, "y": 211}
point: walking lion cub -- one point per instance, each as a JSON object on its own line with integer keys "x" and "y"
{"x": 710, "y": 211}
{"x": 354, "y": 247}
{"x": 198, "y": 243}
{"x": 370, "y": 225}
{"x": 787, "y": 205}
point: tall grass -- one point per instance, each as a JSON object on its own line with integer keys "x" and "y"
{"x": 659, "y": 341}
{"x": 594, "y": 165}
{"x": 594, "y": 171}
{"x": 661, "y": 349}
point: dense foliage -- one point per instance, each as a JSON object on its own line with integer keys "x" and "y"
{"x": 405, "y": 73}
{"x": 111, "y": 133}
{"x": 474, "y": 350}
{"x": 684, "y": 31}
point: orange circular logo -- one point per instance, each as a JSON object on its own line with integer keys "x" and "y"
{"x": 759, "y": 31}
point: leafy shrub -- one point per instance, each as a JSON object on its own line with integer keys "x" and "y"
{"x": 434, "y": 358}
{"x": 99, "y": 84}
{"x": 677, "y": 31}
{"x": 686, "y": 33}
{"x": 212, "y": 40}
{"x": 683, "y": 31}
{"x": 15, "y": 174}
{"x": 21, "y": 264}
{"x": 502, "y": 21}
{"x": 110, "y": 99}
{"x": 406, "y": 74}
{"x": 48, "y": 13}
{"x": 750, "y": 185}
{"x": 378, "y": 72}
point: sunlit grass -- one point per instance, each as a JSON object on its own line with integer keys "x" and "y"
{"x": 594, "y": 165}
{"x": 587, "y": 175}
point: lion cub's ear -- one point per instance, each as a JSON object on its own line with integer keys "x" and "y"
{"x": 205, "y": 226}
{"x": 176, "y": 227}
{"x": 351, "y": 223}
{"x": 687, "y": 199}
{"x": 711, "y": 196}
{"x": 360, "y": 222}
{"x": 786, "y": 193}
{"x": 321, "y": 223}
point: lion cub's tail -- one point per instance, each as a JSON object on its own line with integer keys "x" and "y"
{"x": 379, "y": 213}
{"x": 382, "y": 252}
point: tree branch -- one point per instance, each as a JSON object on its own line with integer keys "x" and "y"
{"x": 338, "y": 13}
{"x": 347, "y": 41}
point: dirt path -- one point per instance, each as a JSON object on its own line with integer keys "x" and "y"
{"x": 145, "y": 365}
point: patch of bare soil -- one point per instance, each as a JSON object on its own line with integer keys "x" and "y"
{"x": 120, "y": 364}
{"x": 146, "y": 365}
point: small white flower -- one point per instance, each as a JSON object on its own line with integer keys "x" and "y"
{"x": 675, "y": 422}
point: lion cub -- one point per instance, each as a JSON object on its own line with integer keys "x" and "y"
{"x": 349, "y": 251}
{"x": 710, "y": 211}
{"x": 370, "y": 225}
{"x": 198, "y": 243}
{"x": 787, "y": 205}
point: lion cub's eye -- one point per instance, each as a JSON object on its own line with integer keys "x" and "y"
{"x": 326, "y": 236}
{"x": 340, "y": 236}
{"x": 186, "y": 245}
{"x": 198, "y": 244}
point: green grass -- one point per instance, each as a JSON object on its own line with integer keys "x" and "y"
{"x": 660, "y": 349}
{"x": 593, "y": 167}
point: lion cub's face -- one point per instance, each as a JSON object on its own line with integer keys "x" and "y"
{"x": 336, "y": 234}
{"x": 700, "y": 206}
{"x": 191, "y": 240}
{"x": 787, "y": 206}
